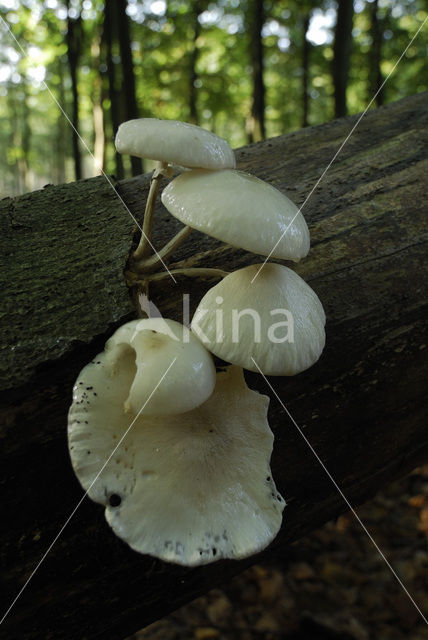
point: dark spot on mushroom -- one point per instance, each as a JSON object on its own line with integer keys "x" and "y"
{"x": 153, "y": 331}
{"x": 88, "y": 452}
{"x": 114, "y": 500}
{"x": 214, "y": 551}
{"x": 278, "y": 497}
{"x": 89, "y": 388}
{"x": 268, "y": 479}
{"x": 86, "y": 422}
{"x": 211, "y": 430}
{"x": 95, "y": 393}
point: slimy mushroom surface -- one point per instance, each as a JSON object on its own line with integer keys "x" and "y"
{"x": 136, "y": 358}
{"x": 239, "y": 209}
{"x": 174, "y": 142}
{"x": 189, "y": 488}
{"x": 276, "y": 321}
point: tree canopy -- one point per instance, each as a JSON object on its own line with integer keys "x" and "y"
{"x": 241, "y": 68}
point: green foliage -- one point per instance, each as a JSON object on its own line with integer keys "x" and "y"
{"x": 176, "y": 44}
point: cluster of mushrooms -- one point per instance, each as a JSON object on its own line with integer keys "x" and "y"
{"x": 185, "y": 450}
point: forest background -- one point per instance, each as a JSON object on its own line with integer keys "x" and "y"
{"x": 245, "y": 69}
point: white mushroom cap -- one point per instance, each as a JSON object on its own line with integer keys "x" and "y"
{"x": 146, "y": 348}
{"x": 239, "y": 209}
{"x": 190, "y": 488}
{"x": 277, "y": 321}
{"x": 174, "y": 142}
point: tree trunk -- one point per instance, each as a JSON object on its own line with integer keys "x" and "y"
{"x": 97, "y": 105}
{"x": 111, "y": 74}
{"x": 13, "y": 141}
{"x": 197, "y": 9}
{"x": 342, "y": 54}
{"x": 25, "y": 140}
{"x": 61, "y": 142}
{"x": 375, "y": 56}
{"x": 74, "y": 43}
{"x": 128, "y": 78}
{"x": 256, "y": 124}
{"x": 305, "y": 67}
{"x": 362, "y": 406}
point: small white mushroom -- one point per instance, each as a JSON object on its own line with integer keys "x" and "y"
{"x": 241, "y": 210}
{"x": 137, "y": 356}
{"x": 275, "y": 322}
{"x": 175, "y": 142}
{"x": 189, "y": 488}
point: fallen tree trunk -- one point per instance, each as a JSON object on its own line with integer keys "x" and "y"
{"x": 64, "y": 250}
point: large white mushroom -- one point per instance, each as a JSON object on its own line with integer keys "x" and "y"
{"x": 137, "y": 356}
{"x": 171, "y": 141}
{"x": 241, "y": 210}
{"x": 273, "y": 322}
{"x": 189, "y": 488}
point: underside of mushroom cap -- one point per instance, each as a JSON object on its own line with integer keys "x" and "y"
{"x": 191, "y": 488}
{"x": 275, "y": 323}
{"x": 174, "y": 142}
{"x": 241, "y": 210}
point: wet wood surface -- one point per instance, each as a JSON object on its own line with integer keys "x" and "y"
{"x": 361, "y": 407}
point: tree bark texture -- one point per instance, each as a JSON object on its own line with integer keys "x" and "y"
{"x": 342, "y": 54}
{"x": 64, "y": 250}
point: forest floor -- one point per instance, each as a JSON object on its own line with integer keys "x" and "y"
{"x": 333, "y": 584}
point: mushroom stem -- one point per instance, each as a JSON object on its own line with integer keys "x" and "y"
{"x": 144, "y": 246}
{"x": 190, "y": 272}
{"x": 152, "y": 262}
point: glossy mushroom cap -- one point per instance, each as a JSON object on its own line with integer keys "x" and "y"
{"x": 241, "y": 210}
{"x": 190, "y": 488}
{"x": 174, "y": 142}
{"x": 146, "y": 350}
{"x": 275, "y": 323}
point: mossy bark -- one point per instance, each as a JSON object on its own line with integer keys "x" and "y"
{"x": 64, "y": 251}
